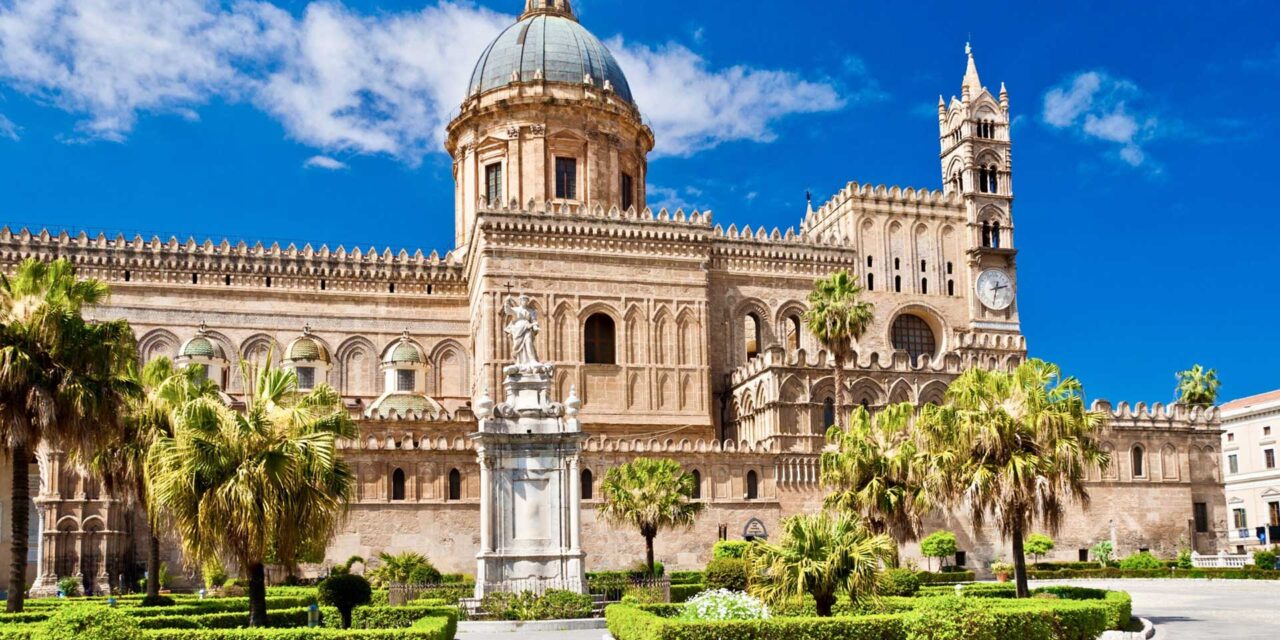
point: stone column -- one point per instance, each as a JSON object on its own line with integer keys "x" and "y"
{"x": 486, "y": 518}
{"x": 575, "y": 505}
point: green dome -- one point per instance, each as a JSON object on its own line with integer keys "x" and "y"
{"x": 201, "y": 347}
{"x": 405, "y": 352}
{"x": 306, "y": 348}
{"x": 404, "y": 404}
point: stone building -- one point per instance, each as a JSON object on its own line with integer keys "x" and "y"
{"x": 682, "y": 335}
{"x": 1252, "y": 472}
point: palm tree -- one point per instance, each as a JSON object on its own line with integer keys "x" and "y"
{"x": 837, "y": 316}
{"x": 1197, "y": 387}
{"x": 63, "y": 381}
{"x": 650, "y": 494}
{"x": 149, "y": 417}
{"x": 823, "y": 555}
{"x": 244, "y": 485}
{"x": 1016, "y": 447}
{"x": 879, "y": 469}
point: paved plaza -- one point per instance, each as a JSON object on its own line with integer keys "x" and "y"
{"x": 1196, "y": 609}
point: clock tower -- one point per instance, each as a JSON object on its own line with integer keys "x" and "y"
{"x": 977, "y": 164}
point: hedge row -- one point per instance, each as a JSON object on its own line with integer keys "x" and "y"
{"x": 948, "y": 577}
{"x": 682, "y": 592}
{"x": 191, "y": 608}
{"x": 1112, "y": 572}
{"x": 370, "y": 617}
{"x": 281, "y": 618}
{"x": 1027, "y": 620}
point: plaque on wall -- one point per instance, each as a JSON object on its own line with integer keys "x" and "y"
{"x": 755, "y": 529}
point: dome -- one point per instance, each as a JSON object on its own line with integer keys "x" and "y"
{"x": 201, "y": 347}
{"x": 550, "y": 41}
{"x": 306, "y": 348}
{"x": 403, "y": 351}
{"x": 403, "y": 404}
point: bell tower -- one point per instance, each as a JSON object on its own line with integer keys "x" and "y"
{"x": 976, "y": 157}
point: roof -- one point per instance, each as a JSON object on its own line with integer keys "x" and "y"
{"x": 201, "y": 347}
{"x": 404, "y": 351}
{"x": 1252, "y": 401}
{"x": 553, "y": 45}
{"x": 306, "y": 348}
{"x": 403, "y": 404}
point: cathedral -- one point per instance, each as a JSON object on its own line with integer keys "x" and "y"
{"x": 681, "y": 335}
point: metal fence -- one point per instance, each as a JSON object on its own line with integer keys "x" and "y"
{"x": 613, "y": 588}
{"x": 401, "y": 593}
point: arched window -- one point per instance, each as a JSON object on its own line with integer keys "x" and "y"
{"x": 897, "y": 284}
{"x": 587, "y": 484}
{"x": 397, "y": 484}
{"x": 1139, "y": 458}
{"x": 753, "y": 485}
{"x": 871, "y": 282}
{"x": 697, "y": 485}
{"x": 994, "y": 176}
{"x": 598, "y": 340}
{"x": 751, "y": 335}
{"x": 455, "y": 485}
{"x": 924, "y": 285}
{"x": 913, "y": 335}
{"x": 995, "y": 235}
{"x": 986, "y": 234}
{"x": 982, "y": 179}
{"x": 951, "y": 287}
{"x": 793, "y": 327}
{"x": 828, "y": 412}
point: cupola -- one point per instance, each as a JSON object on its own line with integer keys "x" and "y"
{"x": 204, "y": 352}
{"x": 404, "y": 386}
{"x": 309, "y": 359}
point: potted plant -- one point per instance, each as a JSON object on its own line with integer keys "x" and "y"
{"x": 1002, "y": 570}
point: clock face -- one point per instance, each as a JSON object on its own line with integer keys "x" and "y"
{"x": 995, "y": 289}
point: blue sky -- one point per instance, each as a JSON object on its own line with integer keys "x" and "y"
{"x": 1142, "y": 139}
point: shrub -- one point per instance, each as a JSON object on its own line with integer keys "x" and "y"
{"x": 722, "y": 604}
{"x": 408, "y": 567}
{"x": 682, "y": 592}
{"x": 556, "y": 604}
{"x": 1266, "y": 558}
{"x": 899, "y": 582}
{"x": 501, "y": 605}
{"x": 388, "y": 617}
{"x": 730, "y": 549}
{"x": 157, "y": 601}
{"x": 949, "y": 618}
{"x": 345, "y": 592}
{"x": 1101, "y": 552}
{"x": 1141, "y": 560}
{"x": 82, "y": 621}
{"x": 687, "y": 577}
{"x": 1184, "y": 559}
{"x": 641, "y": 570}
{"x": 727, "y": 573}
{"x": 215, "y": 575}
{"x": 951, "y": 576}
{"x": 1037, "y": 544}
{"x": 1001, "y": 566}
{"x": 642, "y": 595}
{"x": 939, "y": 544}
{"x": 69, "y": 587}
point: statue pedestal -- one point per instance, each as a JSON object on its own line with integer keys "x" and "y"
{"x": 530, "y": 522}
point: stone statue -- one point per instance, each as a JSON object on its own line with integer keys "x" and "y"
{"x": 522, "y": 329}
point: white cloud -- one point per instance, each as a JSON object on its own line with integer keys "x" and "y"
{"x": 670, "y": 199}
{"x": 343, "y": 81}
{"x": 1097, "y": 106}
{"x": 324, "y": 162}
{"x": 693, "y": 108}
{"x": 7, "y": 128}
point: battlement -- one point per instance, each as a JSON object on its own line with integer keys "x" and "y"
{"x": 908, "y": 200}
{"x": 899, "y": 361}
{"x": 138, "y": 259}
{"x": 670, "y": 445}
{"x": 1157, "y": 415}
{"x": 596, "y": 211}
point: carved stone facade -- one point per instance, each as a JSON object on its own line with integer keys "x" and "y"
{"x": 682, "y": 337}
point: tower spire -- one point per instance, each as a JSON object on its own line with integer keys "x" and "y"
{"x": 562, "y": 8}
{"x": 971, "y": 81}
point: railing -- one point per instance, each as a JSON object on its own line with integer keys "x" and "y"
{"x": 1220, "y": 561}
{"x": 612, "y": 589}
{"x": 399, "y": 594}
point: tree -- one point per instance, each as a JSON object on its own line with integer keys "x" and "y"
{"x": 649, "y": 494}
{"x": 149, "y": 416}
{"x": 879, "y": 470}
{"x": 345, "y": 592}
{"x": 939, "y": 544}
{"x": 407, "y": 567}
{"x": 1197, "y": 387}
{"x": 837, "y": 316}
{"x": 1016, "y": 447}
{"x": 62, "y": 381}
{"x": 1038, "y": 544}
{"x": 823, "y": 555}
{"x": 243, "y": 485}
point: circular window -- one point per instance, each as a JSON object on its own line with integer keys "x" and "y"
{"x": 913, "y": 335}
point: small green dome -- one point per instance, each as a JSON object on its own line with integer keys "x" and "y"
{"x": 201, "y": 347}
{"x": 404, "y": 404}
{"x": 306, "y": 348}
{"x": 405, "y": 352}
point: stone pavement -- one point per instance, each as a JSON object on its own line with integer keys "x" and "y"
{"x": 1196, "y": 609}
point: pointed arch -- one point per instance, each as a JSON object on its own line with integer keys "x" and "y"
{"x": 867, "y": 392}
{"x": 1169, "y": 466}
{"x": 933, "y": 392}
{"x": 563, "y": 333}
{"x": 256, "y": 347}
{"x": 665, "y": 344}
{"x": 156, "y": 343}
{"x": 357, "y": 367}
{"x": 449, "y": 370}
{"x": 791, "y": 391}
{"x": 635, "y": 335}
{"x": 690, "y": 338}
{"x": 900, "y": 392}
{"x": 666, "y": 392}
{"x": 689, "y": 398}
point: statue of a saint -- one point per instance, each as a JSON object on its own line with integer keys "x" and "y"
{"x": 522, "y": 329}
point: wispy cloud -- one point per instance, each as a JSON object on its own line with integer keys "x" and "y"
{"x": 671, "y": 199}
{"x": 8, "y": 129}
{"x": 343, "y": 81}
{"x": 1099, "y": 107}
{"x": 324, "y": 162}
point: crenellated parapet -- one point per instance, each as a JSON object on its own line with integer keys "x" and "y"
{"x": 1157, "y": 415}
{"x": 881, "y": 199}
{"x": 866, "y": 361}
{"x": 156, "y": 261}
{"x": 604, "y": 444}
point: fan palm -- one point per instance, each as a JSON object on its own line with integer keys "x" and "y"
{"x": 1023, "y": 443}
{"x": 1198, "y": 387}
{"x": 823, "y": 555}
{"x": 879, "y": 469}
{"x": 245, "y": 485}
{"x": 63, "y": 381}
{"x": 149, "y": 417}
{"x": 651, "y": 495}
{"x": 837, "y": 316}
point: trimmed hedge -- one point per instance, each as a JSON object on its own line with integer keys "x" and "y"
{"x": 281, "y": 618}
{"x": 188, "y": 609}
{"x": 947, "y": 577}
{"x": 371, "y": 617}
{"x": 633, "y": 623}
{"x": 682, "y": 592}
{"x": 1114, "y": 572}
{"x": 687, "y": 577}
{"x": 421, "y": 633}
